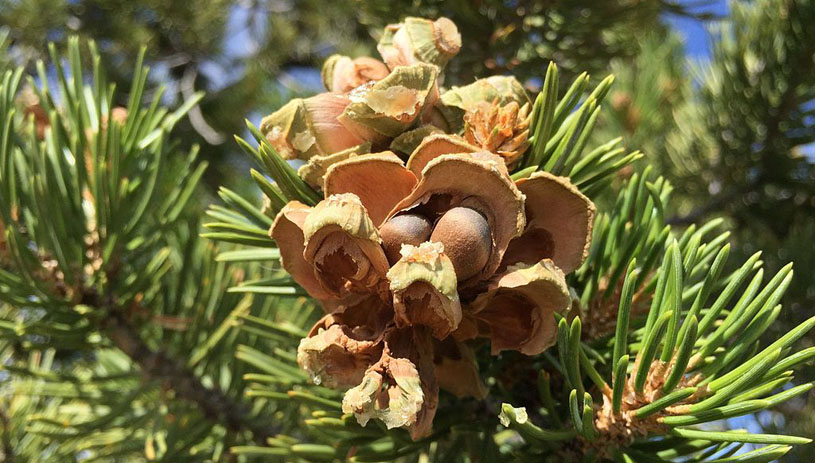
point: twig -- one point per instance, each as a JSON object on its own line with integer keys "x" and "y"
{"x": 159, "y": 365}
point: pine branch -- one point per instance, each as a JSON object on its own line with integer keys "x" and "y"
{"x": 124, "y": 271}
{"x": 162, "y": 366}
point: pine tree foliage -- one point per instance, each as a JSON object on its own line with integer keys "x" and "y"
{"x": 4, "y": 43}
{"x": 740, "y": 147}
{"x": 112, "y": 305}
{"x": 127, "y": 337}
{"x": 744, "y": 130}
{"x": 734, "y": 136}
{"x": 647, "y": 92}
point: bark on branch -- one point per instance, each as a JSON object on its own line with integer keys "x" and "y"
{"x": 158, "y": 365}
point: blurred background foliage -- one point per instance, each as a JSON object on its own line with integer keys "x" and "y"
{"x": 734, "y": 131}
{"x": 736, "y": 136}
{"x": 252, "y": 55}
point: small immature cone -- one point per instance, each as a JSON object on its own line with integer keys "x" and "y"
{"x": 343, "y": 246}
{"x": 499, "y": 90}
{"x": 342, "y": 74}
{"x": 31, "y": 107}
{"x": 310, "y": 127}
{"x": 119, "y": 114}
{"x": 517, "y": 310}
{"x": 419, "y": 40}
{"x": 423, "y": 284}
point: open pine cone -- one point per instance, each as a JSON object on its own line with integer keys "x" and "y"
{"x": 423, "y": 241}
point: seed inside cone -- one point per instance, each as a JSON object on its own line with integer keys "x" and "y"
{"x": 403, "y": 229}
{"x": 467, "y": 240}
